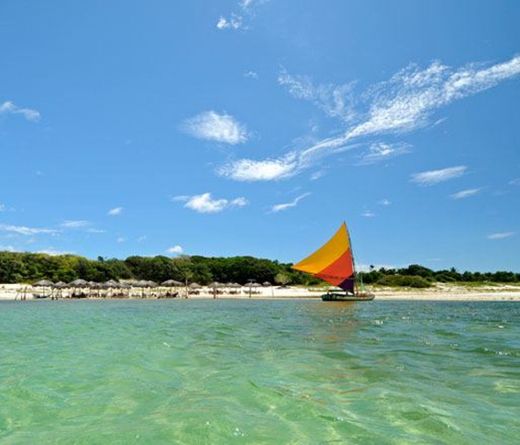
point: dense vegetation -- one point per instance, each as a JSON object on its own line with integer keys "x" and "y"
{"x": 18, "y": 267}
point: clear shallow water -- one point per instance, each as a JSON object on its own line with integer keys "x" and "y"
{"x": 262, "y": 372}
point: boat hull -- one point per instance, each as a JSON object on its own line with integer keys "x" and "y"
{"x": 364, "y": 296}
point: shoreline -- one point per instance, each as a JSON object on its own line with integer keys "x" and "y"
{"x": 439, "y": 292}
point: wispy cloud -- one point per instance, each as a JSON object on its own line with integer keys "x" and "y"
{"x": 120, "y": 239}
{"x": 26, "y": 231}
{"x": 266, "y": 170}
{"x": 407, "y": 100}
{"x": 515, "y": 181}
{"x": 175, "y": 250}
{"x": 94, "y": 230}
{"x": 404, "y": 103}
{"x": 236, "y": 20}
{"x": 433, "y": 177}
{"x": 75, "y": 224}
{"x": 213, "y": 126}
{"x": 368, "y": 214}
{"x": 500, "y": 235}
{"x": 29, "y": 114}
{"x": 465, "y": 193}
{"x": 115, "y": 211}
{"x": 2, "y": 207}
{"x": 381, "y": 151}
{"x": 334, "y": 100}
{"x": 205, "y": 203}
{"x": 287, "y": 205}
{"x": 385, "y": 202}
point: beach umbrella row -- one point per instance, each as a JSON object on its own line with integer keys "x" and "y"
{"x": 142, "y": 283}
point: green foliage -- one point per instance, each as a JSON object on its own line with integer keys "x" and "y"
{"x": 404, "y": 281}
{"x": 282, "y": 278}
{"x": 17, "y": 267}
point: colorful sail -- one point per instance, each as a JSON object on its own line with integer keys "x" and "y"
{"x": 333, "y": 262}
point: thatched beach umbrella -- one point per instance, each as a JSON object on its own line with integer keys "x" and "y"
{"x": 252, "y": 284}
{"x": 214, "y": 286}
{"x": 78, "y": 284}
{"x": 59, "y": 286}
{"x": 43, "y": 284}
{"x": 171, "y": 283}
{"x": 195, "y": 286}
{"x": 266, "y": 284}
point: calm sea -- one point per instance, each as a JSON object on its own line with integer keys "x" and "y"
{"x": 259, "y": 372}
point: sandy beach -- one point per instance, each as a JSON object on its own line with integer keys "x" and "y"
{"x": 439, "y": 292}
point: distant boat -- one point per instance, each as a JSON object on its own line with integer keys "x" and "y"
{"x": 334, "y": 263}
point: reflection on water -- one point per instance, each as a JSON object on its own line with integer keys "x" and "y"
{"x": 225, "y": 372}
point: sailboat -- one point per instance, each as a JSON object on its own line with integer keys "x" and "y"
{"x": 334, "y": 263}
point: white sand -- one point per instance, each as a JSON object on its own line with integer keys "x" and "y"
{"x": 440, "y": 292}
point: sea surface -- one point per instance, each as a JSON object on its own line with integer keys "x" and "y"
{"x": 259, "y": 372}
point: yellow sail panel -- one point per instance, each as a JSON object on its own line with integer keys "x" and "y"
{"x": 327, "y": 254}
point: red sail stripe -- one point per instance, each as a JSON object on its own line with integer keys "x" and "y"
{"x": 339, "y": 270}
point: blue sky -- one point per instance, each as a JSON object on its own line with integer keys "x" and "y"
{"x": 256, "y": 127}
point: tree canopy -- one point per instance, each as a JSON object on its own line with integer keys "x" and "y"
{"x": 19, "y": 267}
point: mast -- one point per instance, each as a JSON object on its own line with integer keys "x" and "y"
{"x": 353, "y": 260}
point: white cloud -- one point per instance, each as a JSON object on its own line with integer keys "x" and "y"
{"x": 317, "y": 175}
{"x": 465, "y": 193}
{"x": 515, "y": 181}
{"x": 74, "y": 224}
{"x": 233, "y": 22}
{"x": 213, "y": 126}
{"x": 236, "y": 19}
{"x": 27, "y": 231}
{"x": 381, "y": 151}
{"x": 8, "y": 249}
{"x": 251, "y": 74}
{"x": 204, "y": 203}
{"x": 29, "y": 114}
{"x": 120, "y": 239}
{"x": 267, "y": 170}
{"x": 2, "y": 207}
{"x": 500, "y": 235}
{"x": 281, "y": 207}
{"x": 368, "y": 214}
{"x": 142, "y": 238}
{"x": 54, "y": 252}
{"x": 436, "y": 176}
{"x": 385, "y": 202}
{"x": 404, "y": 103}
{"x": 175, "y": 250}
{"x": 115, "y": 211}
{"x": 94, "y": 230}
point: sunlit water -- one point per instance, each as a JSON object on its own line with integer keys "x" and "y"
{"x": 259, "y": 372}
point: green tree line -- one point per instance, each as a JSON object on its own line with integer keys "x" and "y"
{"x": 18, "y": 267}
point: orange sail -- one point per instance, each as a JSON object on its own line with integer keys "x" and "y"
{"x": 333, "y": 262}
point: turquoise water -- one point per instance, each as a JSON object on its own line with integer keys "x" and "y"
{"x": 259, "y": 372}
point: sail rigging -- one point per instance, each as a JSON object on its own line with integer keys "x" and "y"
{"x": 333, "y": 262}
